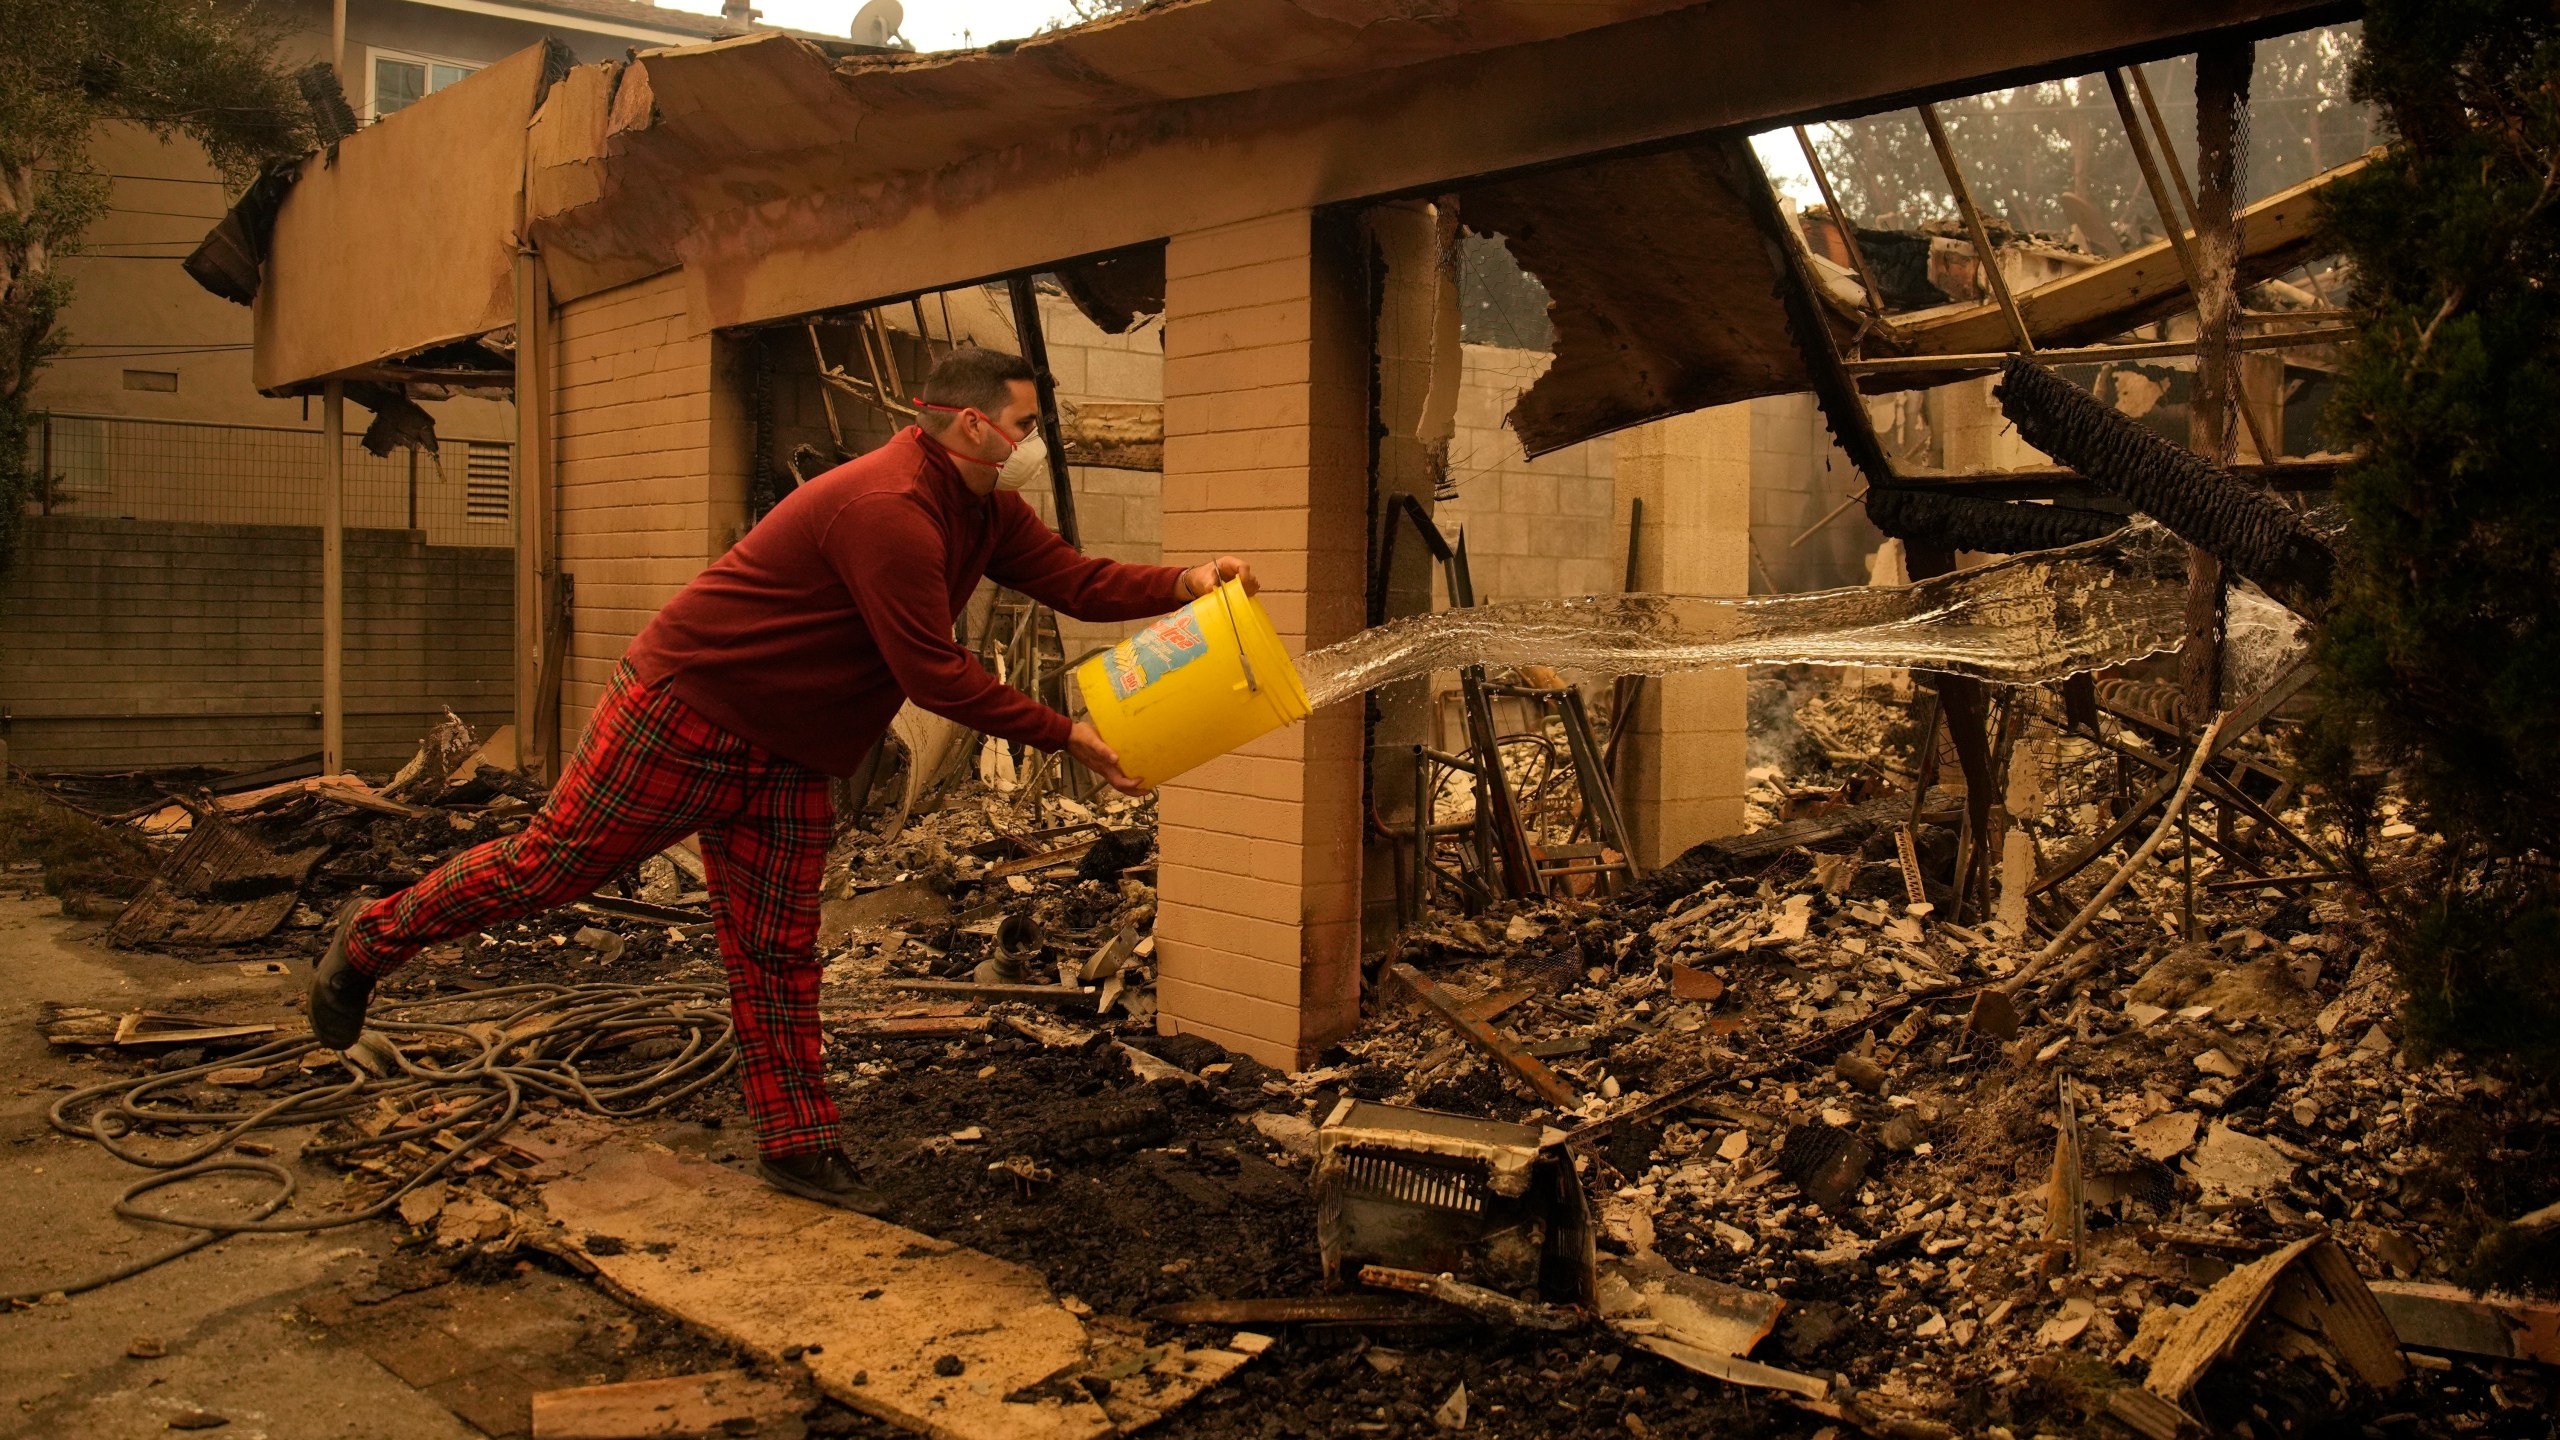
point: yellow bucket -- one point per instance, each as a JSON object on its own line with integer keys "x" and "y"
{"x": 1192, "y": 686}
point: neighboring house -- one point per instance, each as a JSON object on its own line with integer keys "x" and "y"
{"x": 165, "y": 609}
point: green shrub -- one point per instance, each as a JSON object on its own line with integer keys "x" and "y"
{"x": 2442, "y": 656}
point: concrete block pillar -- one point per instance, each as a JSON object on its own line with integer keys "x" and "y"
{"x": 1420, "y": 364}
{"x": 1266, "y": 390}
{"x": 1681, "y": 773}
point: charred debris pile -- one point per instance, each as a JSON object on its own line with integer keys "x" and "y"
{"x": 1858, "y": 1120}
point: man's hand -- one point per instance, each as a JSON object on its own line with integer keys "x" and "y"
{"x": 1199, "y": 580}
{"x": 1086, "y": 744}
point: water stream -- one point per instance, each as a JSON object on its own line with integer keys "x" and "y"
{"x": 2020, "y": 621}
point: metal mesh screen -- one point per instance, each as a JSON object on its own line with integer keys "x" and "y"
{"x": 104, "y": 466}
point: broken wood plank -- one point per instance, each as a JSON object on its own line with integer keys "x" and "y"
{"x": 1650, "y": 1297}
{"x": 1509, "y": 1053}
{"x": 2109, "y": 298}
{"x": 2147, "y": 1414}
{"x": 1476, "y": 1300}
{"x": 716, "y": 1402}
{"x": 913, "y": 1027}
{"x": 2312, "y": 1288}
{"x": 921, "y": 1333}
{"x": 1735, "y": 1370}
{"x": 77, "y": 1026}
{"x": 1303, "y": 1310}
{"x": 151, "y": 1027}
{"x": 1939, "y": 806}
{"x": 1063, "y": 855}
{"x": 2260, "y": 882}
{"x": 359, "y": 797}
{"x": 1036, "y": 994}
{"x": 616, "y": 907}
{"x": 2445, "y": 1317}
{"x": 1489, "y": 1008}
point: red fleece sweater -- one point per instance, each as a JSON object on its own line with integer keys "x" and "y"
{"x": 840, "y": 602}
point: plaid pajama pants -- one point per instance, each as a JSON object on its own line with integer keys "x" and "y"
{"x": 649, "y": 772}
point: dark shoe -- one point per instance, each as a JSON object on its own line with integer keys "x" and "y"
{"x": 339, "y": 991}
{"x": 825, "y": 1176}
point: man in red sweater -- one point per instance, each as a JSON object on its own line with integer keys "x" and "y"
{"x": 778, "y": 666}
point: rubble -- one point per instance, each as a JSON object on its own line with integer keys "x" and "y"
{"x": 1970, "y": 1159}
{"x": 1820, "y": 1146}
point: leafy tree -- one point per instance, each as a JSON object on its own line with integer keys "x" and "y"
{"x": 2023, "y": 148}
{"x": 202, "y": 69}
{"x": 2443, "y": 654}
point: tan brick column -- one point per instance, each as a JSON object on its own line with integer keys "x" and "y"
{"x": 1681, "y": 775}
{"x": 1265, "y": 379}
{"x": 652, "y": 461}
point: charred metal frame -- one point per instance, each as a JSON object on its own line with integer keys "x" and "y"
{"x": 1035, "y": 351}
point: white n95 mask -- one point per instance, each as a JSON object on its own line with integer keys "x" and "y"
{"x": 1028, "y": 462}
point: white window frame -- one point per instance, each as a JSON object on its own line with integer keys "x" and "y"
{"x": 372, "y": 111}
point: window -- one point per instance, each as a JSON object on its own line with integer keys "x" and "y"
{"x": 488, "y": 483}
{"x": 400, "y": 81}
{"x": 163, "y": 381}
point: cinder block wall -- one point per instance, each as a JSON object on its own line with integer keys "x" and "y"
{"x": 652, "y": 470}
{"x": 1266, "y": 380}
{"x": 1797, "y": 477}
{"x": 131, "y": 644}
{"x": 1120, "y": 513}
{"x": 1682, "y": 772}
{"x": 1536, "y": 529}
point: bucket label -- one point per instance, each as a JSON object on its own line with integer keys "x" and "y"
{"x": 1153, "y": 653}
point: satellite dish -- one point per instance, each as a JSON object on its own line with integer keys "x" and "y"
{"x": 877, "y": 22}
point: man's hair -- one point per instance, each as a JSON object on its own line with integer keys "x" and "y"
{"x": 970, "y": 378}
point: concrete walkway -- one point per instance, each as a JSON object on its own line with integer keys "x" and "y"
{"x": 229, "y": 1317}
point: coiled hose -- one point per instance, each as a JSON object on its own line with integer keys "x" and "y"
{"x": 539, "y": 1046}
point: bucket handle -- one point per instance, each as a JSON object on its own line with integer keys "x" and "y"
{"x": 1250, "y": 684}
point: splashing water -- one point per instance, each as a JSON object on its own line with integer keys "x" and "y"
{"x": 2020, "y": 621}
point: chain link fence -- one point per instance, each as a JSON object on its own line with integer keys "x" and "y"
{"x": 164, "y": 609}
{"x": 198, "y": 472}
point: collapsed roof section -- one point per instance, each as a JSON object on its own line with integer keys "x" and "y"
{"x": 1664, "y": 299}
{"x": 2104, "y": 300}
{"x": 674, "y": 153}
{"x": 403, "y": 238}
{"x": 786, "y": 181}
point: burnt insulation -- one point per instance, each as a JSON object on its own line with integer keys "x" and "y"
{"x": 2200, "y": 502}
{"x": 1970, "y": 522}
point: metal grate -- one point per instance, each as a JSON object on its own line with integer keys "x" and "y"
{"x": 121, "y": 467}
{"x": 1372, "y": 1176}
{"x": 488, "y": 484}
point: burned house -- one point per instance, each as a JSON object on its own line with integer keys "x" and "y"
{"x": 2027, "y": 1071}
{"x": 1284, "y": 207}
